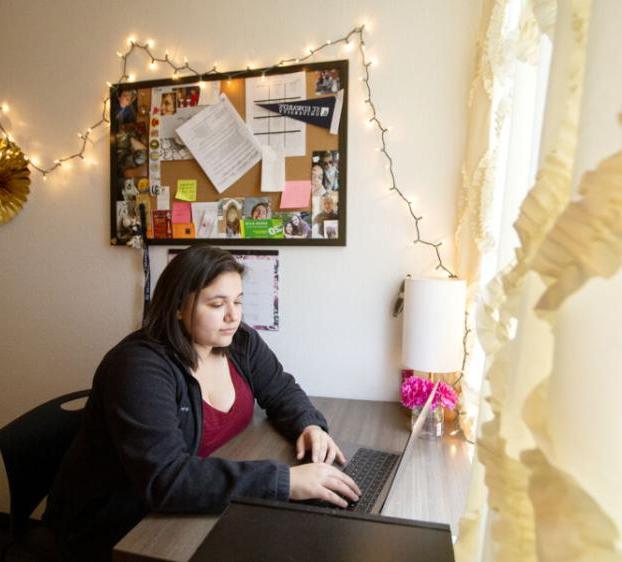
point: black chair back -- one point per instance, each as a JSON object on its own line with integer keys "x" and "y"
{"x": 32, "y": 448}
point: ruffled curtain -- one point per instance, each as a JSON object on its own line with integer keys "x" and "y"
{"x": 526, "y": 504}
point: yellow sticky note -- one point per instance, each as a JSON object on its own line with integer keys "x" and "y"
{"x": 186, "y": 190}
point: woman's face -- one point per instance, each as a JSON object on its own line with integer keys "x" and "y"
{"x": 289, "y": 229}
{"x": 316, "y": 175}
{"x": 167, "y": 105}
{"x": 327, "y": 204}
{"x": 218, "y": 311}
{"x": 260, "y": 212}
{"x": 295, "y": 220}
{"x": 232, "y": 214}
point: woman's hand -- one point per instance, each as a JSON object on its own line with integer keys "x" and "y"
{"x": 322, "y": 446}
{"x": 323, "y": 482}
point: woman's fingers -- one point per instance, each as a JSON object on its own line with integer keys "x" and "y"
{"x": 334, "y": 452}
{"x": 333, "y": 498}
{"x": 344, "y": 489}
{"x": 319, "y": 446}
{"x": 322, "y": 481}
{"x": 322, "y": 446}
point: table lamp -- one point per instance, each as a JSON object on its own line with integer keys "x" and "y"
{"x": 433, "y": 326}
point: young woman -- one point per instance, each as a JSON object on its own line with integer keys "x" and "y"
{"x": 260, "y": 211}
{"x": 170, "y": 394}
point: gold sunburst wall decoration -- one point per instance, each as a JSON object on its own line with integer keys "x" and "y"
{"x": 14, "y": 180}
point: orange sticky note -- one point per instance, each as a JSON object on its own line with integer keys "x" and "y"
{"x": 183, "y": 230}
{"x": 296, "y": 195}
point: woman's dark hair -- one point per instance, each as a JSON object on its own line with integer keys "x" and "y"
{"x": 188, "y": 272}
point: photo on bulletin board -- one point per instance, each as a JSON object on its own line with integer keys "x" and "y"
{"x": 260, "y": 284}
{"x": 253, "y": 157}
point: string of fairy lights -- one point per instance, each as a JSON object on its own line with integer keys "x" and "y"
{"x": 185, "y": 70}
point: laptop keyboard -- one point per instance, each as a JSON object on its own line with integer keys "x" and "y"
{"x": 370, "y": 469}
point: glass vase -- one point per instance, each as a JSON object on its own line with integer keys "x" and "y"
{"x": 432, "y": 427}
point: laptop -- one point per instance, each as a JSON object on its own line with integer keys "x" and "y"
{"x": 377, "y": 473}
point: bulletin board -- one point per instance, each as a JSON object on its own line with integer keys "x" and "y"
{"x": 254, "y": 157}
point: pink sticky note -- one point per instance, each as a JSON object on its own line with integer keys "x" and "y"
{"x": 182, "y": 212}
{"x": 296, "y": 195}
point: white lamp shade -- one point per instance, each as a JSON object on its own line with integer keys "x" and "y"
{"x": 433, "y": 325}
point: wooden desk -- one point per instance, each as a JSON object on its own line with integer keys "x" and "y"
{"x": 434, "y": 490}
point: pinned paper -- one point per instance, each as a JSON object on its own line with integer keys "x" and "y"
{"x": 162, "y": 224}
{"x": 205, "y": 219}
{"x": 272, "y": 168}
{"x": 221, "y": 143}
{"x": 183, "y": 230}
{"x": 182, "y": 213}
{"x": 210, "y": 91}
{"x": 263, "y": 228}
{"x": 186, "y": 190}
{"x": 296, "y": 195}
{"x": 163, "y": 200}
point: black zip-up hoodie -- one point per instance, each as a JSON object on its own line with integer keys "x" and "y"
{"x": 136, "y": 451}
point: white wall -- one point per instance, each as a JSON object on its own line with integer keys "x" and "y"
{"x": 66, "y": 295}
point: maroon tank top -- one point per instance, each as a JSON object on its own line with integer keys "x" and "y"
{"x": 218, "y": 426}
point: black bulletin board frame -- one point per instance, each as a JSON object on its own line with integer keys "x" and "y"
{"x": 115, "y": 193}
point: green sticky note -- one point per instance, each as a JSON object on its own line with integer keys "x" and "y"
{"x": 186, "y": 190}
{"x": 262, "y": 228}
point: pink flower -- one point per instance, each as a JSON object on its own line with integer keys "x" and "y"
{"x": 415, "y": 392}
{"x": 447, "y": 396}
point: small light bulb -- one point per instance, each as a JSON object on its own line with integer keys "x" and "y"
{"x": 34, "y": 160}
{"x": 120, "y": 54}
{"x": 328, "y": 41}
{"x": 374, "y": 61}
{"x": 131, "y": 78}
{"x": 45, "y": 177}
{"x": 109, "y": 84}
{"x": 348, "y": 47}
{"x": 5, "y": 107}
{"x": 131, "y": 40}
{"x": 202, "y": 85}
{"x": 150, "y": 43}
{"x": 153, "y": 65}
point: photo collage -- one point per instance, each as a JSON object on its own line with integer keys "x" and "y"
{"x": 154, "y": 126}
